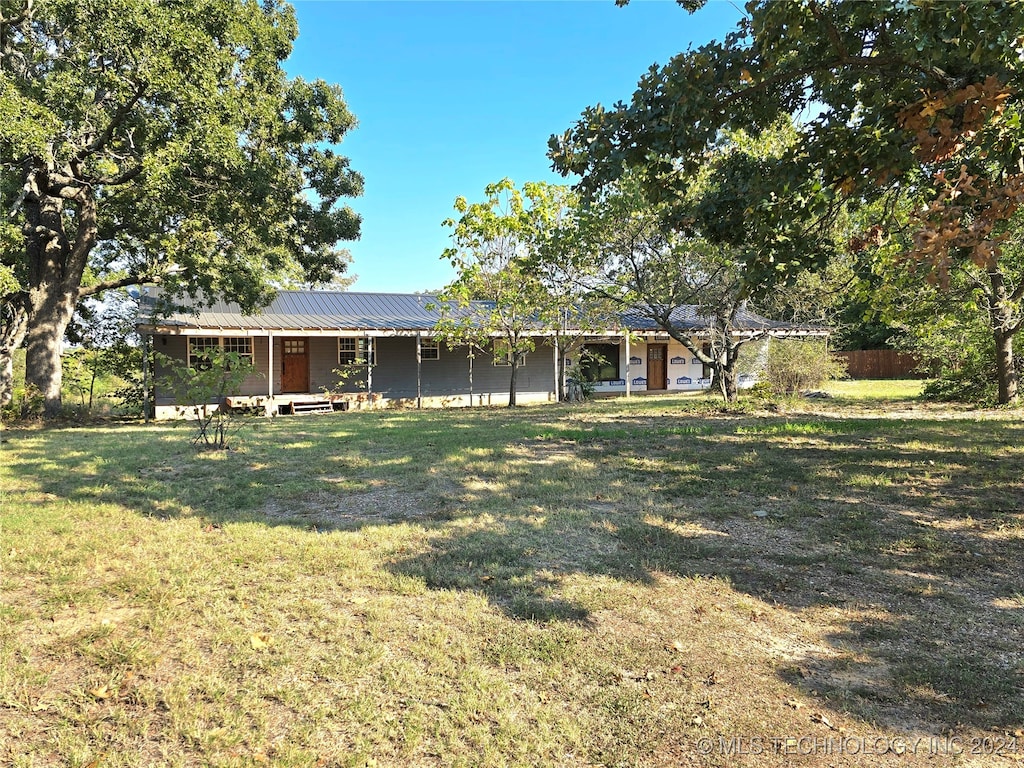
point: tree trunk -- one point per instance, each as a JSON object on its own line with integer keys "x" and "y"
{"x": 1006, "y": 368}
{"x": 12, "y": 332}
{"x": 43, "y": 372}
{"x": 6, "y": 375}
{"x": 560, "y": 354}
{"x": 727, "y": 369}
{"x": 92, "y": 380}
{"x": 1001, "y": 322}
{"x": 726, "y": 374}
{"x": 512, "y": 383}
{"x": 56, "y": 266}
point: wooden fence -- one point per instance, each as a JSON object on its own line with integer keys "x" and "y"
{"x": 880, "y": 364}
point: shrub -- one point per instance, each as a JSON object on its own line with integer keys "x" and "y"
{"x": 972, "y": 381}
{"x": 201, "y": 390}
{"x": 793, "y": 365}
{"x": 580, "y": 376}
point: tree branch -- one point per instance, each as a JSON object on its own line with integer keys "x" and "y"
{"x": 85, "y": 239}
{"x": 17, "y": 203}
{"x": 108, "y": 285}
{"x": 13, "y": 22}
{"x": 1018, "y": 293}
{"x": 64, "y": 186}
{"x": 830, "y": 31}
{"x": 114, "y": 181}
{"x": 23, "y": 15}
{"x": 118, "y": 117}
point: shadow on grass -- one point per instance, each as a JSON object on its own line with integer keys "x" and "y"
{"x": 906, "y": 533}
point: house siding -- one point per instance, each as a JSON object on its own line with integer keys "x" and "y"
{"x": 176, "y": 347}
{"x": 394, "y": 372}
{"x": 323, "y": 361}
{"x": 393, "y": 375}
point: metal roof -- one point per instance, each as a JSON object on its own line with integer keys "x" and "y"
{"x": 687, "y": 318}
{"x": 354, "y": 311}
{"x": 305, "y": 310}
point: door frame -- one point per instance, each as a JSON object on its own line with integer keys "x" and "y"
{"x": 663, "y": 384}
{"x": 292, "y": 356}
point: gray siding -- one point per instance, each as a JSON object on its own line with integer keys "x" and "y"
{"x": 323, "y": 359}
{"x": 171, "y": 346}
{"x": 177, "y": 347}
{"x": 394, "y": 374}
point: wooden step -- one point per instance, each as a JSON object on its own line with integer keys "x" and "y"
{"x": 313, "y": 406}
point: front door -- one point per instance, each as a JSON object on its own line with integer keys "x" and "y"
{"x": 656, "y": 366}
{"x": 295, "y": 365}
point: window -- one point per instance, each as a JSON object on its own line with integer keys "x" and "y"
{"x": 199, "y": 351}
{"x": 355, "y": 351}
{"x": 430, "y": 349}
{"x": 503, "y": 354}
{"x": 239, "y": 345}
{"x": 706, "y": 369}
{"x": 600, "y": 362}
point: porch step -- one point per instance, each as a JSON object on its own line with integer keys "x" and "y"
{"x": 318, "y": 406}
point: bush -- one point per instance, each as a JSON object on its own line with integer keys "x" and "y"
{"x": 793, "y": 365}
{"x": 200, "y": 392}
{"x": 581, "y": 381}
{"x": 972, "y": 381}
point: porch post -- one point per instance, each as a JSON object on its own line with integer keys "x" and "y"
{"x": 626, "y": 335}
{"x": 145, "y": 377}
{"x": 269, "y": 410}
{"x": 371, "y": 352}
{"x": 419, "y": 369}
{"x": 470, "y": 376}
{"x": 554, "y": 356}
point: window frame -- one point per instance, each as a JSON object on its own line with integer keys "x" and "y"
{"x": 198, "y": 345}
{"x": 430, "y": 345}
{"x": 502, "y": 358}
{"x": 612, "y": 363}
{"x": 361, "y": 345}
{"x": 198, "y": 349}
{"x": 245, "y": 344}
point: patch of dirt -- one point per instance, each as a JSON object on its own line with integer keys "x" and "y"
{"x": 382, "y": 504}
{"x": 546, "y": 452}
{"x": 71, "y": 622}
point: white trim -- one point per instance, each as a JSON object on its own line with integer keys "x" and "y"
{"x": 368, "y": 348}
{"x": 270, "y": 373}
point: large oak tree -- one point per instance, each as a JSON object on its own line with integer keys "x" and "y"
{"x": 158, "y": 141}
{"x": 917, "y": 100}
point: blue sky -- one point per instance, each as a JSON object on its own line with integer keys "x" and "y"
{"x": 452, "y": 96}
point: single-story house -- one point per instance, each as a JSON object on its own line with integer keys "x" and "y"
{"x": 386, "y": 345}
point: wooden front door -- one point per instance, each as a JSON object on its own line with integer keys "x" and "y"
{"x": 294, "y": 365}
{"x": 656, "y": 368}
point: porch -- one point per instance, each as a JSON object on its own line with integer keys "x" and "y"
{"x": 291, "y": 404}
{"x": 327, "y": 371}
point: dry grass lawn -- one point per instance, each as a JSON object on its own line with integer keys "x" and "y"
{"x": 651, "y": 582}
